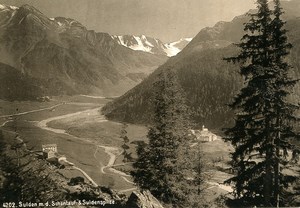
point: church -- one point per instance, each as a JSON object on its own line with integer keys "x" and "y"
{"x": 204, "y": 135}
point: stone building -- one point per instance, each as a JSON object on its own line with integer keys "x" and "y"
{"x": 49, "y": 150}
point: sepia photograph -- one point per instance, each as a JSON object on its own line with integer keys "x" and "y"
{"x": 149, "y": 103}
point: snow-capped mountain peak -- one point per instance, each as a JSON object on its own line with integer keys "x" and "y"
{"x": 4, "y": 7}
{"x": 151, "y": 45}
{"x": 138, "y": 43}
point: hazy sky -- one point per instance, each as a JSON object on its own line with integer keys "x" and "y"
{"x": 167, "y": 20}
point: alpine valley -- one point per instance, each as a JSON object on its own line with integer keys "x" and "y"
{"x": 55, "y": 56}
{"x": 208, "y": 81}
{"x": 98, "y": 118}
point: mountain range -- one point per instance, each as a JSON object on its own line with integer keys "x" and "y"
{"x": 151, "y": 45}
{"x": 208, "y": 81}
{"x": 59, "y": 55}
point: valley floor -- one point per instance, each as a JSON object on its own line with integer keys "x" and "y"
{"x": 93, "y": 143}
{"x": 80, "y": 132}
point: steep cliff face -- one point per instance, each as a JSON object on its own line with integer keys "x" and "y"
{"x": 62, "y": 52}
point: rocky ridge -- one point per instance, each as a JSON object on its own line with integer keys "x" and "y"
{"x": 67, "y": 58}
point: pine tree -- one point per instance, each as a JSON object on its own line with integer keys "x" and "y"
{"x": 161, "y": 166}
{"x": 284, "y": 110}
{"x": 264, "y": 118}
{"x": 193, "y": 162}
{"x": 125, "y": 146}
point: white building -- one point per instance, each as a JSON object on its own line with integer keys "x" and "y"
{"x": 204, "y": 135}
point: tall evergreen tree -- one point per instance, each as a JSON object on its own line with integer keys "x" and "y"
{"x": 161, "y": 165}
{"x": 284, "y": 112}
{"x": 264, "y": 118}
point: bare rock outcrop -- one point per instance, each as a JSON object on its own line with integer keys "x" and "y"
{"x": 143, "y": 199}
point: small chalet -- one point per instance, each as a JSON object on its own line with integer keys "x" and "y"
{"x": 204, "y": 135}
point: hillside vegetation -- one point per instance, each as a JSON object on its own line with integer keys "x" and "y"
{"x": 209, "y": 82}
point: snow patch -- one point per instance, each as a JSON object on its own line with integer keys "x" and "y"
{"x": 4, "y": 7}
{"x": 171, "y": 50}
{"x": 13, "y": 7}
{"x": 143, "y": 44}
{"x": 119, "y": 39}
{"x": 53, "y": 19}
{"x": 140, "y": 46}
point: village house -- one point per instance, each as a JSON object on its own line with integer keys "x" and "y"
{"x": 204, "y": 135}
{"x": 49, "y": 150}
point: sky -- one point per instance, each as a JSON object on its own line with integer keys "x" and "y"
{"x": 168, "y": 20}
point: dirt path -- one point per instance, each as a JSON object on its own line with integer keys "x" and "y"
{"x": 127, "y": 190}
{"x": 3, "y": 124}
{"x": 86, "y": 175}
{"x": 27, "y": 112}
{"x": 91, "y": 96}
{"x": 221, "y": 186}
{"x": 113, "y": 152}
{"x": 32, "y": 111}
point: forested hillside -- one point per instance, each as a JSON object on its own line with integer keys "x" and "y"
{"x": 208, "y": 81}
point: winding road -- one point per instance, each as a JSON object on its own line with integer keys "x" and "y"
{"x": 113, "y": 152}
{"x": 32, "y": 111}
{"x": 86, "y": 175}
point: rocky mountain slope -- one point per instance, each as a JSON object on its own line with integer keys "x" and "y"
{"x": 16, "y": 86}
{"x": 208, "y": 81}
{"x": 67, "y": 58}
{"x": 151, "y": 45}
